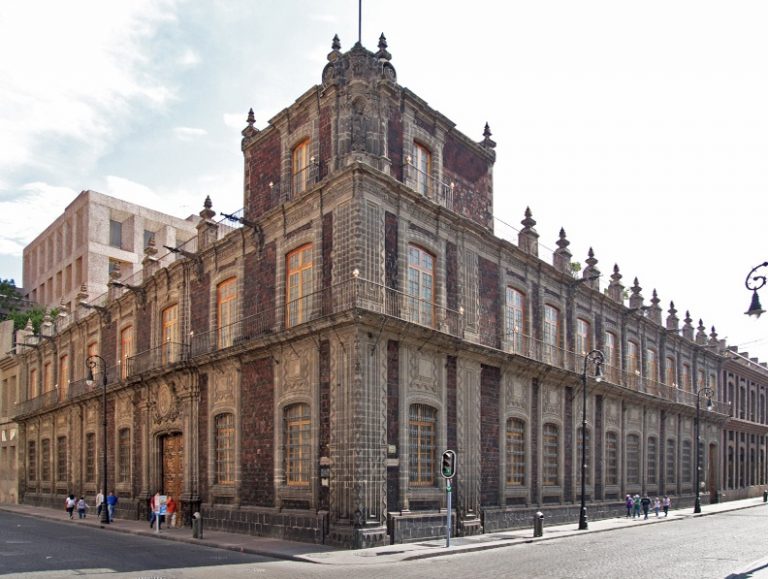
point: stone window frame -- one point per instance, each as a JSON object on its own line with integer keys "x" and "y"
{"x": 509, "y": 462}
{"x": 300, "y": 177}
{"x": 422, "y": 178}
{"x": 433, "y": 482}
{"x": 216, "y": 481}
{"x": 552, "y": 350}
{"x": 124, "y": 456}
{"x": 225, "y": 337}
{"x": 62, "y": 459}
{"x": 687, "y": 462}
{"x": 585, "y": 336}
{"x": 45, "y": 460}
{"x": 546, "y": 459}
{"x": 122, "y": 355}
{"x": 32, "y": 459}
{"x": 633, "y": 362}
{"x": 48, "y": 380}
{"x": 168, "y": 354}
{"x": 89, "y": 458}
{"x": 422, "y": 248}
{"x": 651, "y": 364}
{"x": 670, "y": 371}
{"x": 33, "y": 388}
{"x": 514, "y": 335}
{"x": 304, "y": 483}
{"x": 304, "y": 310}
{"x": 612, "y": 355}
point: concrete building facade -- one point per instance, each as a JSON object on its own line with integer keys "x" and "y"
{"x": 300, "y": 376}
{"x": 95, "y": 235}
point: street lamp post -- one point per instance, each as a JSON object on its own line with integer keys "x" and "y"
{"x": 754, "y": 283}
{"x": 597, "y": 358}
{"x": 709, "y": 393}
{"x": 91, "y": 363}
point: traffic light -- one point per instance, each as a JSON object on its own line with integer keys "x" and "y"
{"x": 448, "y": 469}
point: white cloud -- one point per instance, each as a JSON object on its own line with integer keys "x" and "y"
{"x": 189, "y": 133}
{"x": 23, "y": 218}
{"x": 77, "y": 68}
{"x": 235, "y": 120}
{"x": 189, "y": 58}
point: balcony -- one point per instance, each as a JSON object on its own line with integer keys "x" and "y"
{"x": 428, "y": 186}
{"x": 154, "y": 358}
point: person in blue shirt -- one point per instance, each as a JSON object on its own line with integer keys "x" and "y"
{"x": 111, "y": 502}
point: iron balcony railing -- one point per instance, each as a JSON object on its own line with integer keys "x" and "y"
{"x": 158, "y": 357}
{"x": 427, "y": 185}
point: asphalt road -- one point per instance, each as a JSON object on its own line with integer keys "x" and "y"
{"x": 726, "y": 545}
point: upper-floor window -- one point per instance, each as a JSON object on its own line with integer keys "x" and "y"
{"x": 170, "y": 334}
{"x": 115, "y": 233}
{"x": 514, "y": 319}
{"x": 583, "y": 344}
{"x": 422, "y": 161}
{"x": 300, "y": 163}
{"x": 126, "y": 350}
{"x": 297, "y": 445}
{"x": 422, "y": 432}
{"x": 671, "y": 378}
{"x": 148, "y": 237}
{"x": 515, "y": 452}
{"x": 652, "y": 369}
{"x": 551, "y": 325}
{"x": 611, "y": 355}
{"x": 226, "y": 310}
{"x": 32, "y": 386}
{"x": 685, "y": 379}
{"x": 298, "y": 285}
{"x": 633, "y": 360}
{"x": 63, "y": 376}
{"x": 700, "y": 380}
{"x": 47, "y": 377}
{"x": 421, "y": 286}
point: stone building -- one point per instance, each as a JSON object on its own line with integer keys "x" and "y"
{"x": 9, "y": 395}
{"x": 299, "y": 376}
{"x": 96, "y": 235}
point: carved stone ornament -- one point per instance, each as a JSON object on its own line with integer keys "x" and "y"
{"x": 223, "y": 386}
{"x": 166, "y": 408}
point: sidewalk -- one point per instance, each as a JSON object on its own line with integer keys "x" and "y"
{"x": 322, "y": 554}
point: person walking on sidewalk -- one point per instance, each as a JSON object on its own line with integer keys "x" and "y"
{"x": 82, "y": 507}
{"x": 629, "y": 503}
{"x": 667, "y": 503}
{"x": 657, "y": 506}
{"x": 636, "y": 506}
{"x": 69, "y": 505}
{"x": 111, "y": 503}
{"x": 99, "y": 503}
{"x": 646, "y": 502}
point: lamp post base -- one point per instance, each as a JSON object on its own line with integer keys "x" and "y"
{"x": 697, "y": 506}
{"x": 583, "y": 520}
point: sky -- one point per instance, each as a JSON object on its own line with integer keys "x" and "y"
{"x": 641, "y": 128}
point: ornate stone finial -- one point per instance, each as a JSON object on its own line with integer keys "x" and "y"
{"x": 336, "y": 43}
{"x": 29, "y": 327}
{"x": 688, "y": 326}
{"x": 528, "y": 238}
{"x": 615, "y": 288}
{"x": 250, "y": 130}
{"x": 672, "y": 320}
{"x": 701, "y": 333}
{"x": 82, "y": 295}
{"x": 207, "y": 212}
{"x": 654, "y": 311}
{"x": 382, "y": 54}
{"x": 591, "y": 273}
{"x": 251, "y": 117}
{"x": 487, "y": 141}
{"x": 636, "y": 299}
{"x": 713, "y": 341}
{"x": 561, "y": 258}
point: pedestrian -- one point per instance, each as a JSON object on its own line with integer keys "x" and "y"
{"x": 69, "y": 505}
{"x": 629, "y": 503}
{"x": 657, "y": 506}
{"x": 667, "y": 503}
{"x": 170, "y": 509}
{"x": 82, "y": 507}
{"x": 99, "y": 503}
{"x": 154, "y": 507}
{"x": 646, "y": 502}
{"x": 636, "y": 506}
{"x": 111, "y": 503}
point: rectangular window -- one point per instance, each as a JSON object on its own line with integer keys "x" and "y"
{"x": 515, "y": 452}
{"x": 671, "y": 460}
{"x": 583, "y": 343}
{"x": 32, "y": 461}
{"x": 225, "y": 449}
{"x": 422, "y": 162}
{"x": 633, "y": 459}
{"x": 149, "y": 237}
{"x": 63, "y": 376}
{"x": 47, "y": 377}
{"x": 124, "y": 455}
{"x": 226, "y": 308}
{"x": 551, "y": 334}
{"x": 45, "y": 467}
{"x": 126, "y": 350}
{"x": 633, "y": 361}
{"x": 422, "y": 430}
{"x": 421, "y": 288}
{"x": 671, "y": 373}
{"x": 61, "y": 458}
{"x": 514, "y": 319}
{"x": 686, "y": 462}
{"x": 32, "y": 386}
{"x": 297, "y": 445}
{"x": 652, "y": 369}
{"x": 686, "y": 377}
{"x": 170, "y": 334}
{"x": 115, "y": 233}
{"x": 90, "y": 457}
{"x": 551, "y": 451}
{"x": 611, "y": 357}
{"x": 653, "y": 460}
{"x": 611, "y": 458}
{"x": 298, "y": 285}
{"x": 300, "y": 165}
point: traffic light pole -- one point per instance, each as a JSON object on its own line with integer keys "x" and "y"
{"x": 448, "y": 518}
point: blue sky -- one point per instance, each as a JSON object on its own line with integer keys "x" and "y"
{"x": 641, "y": 128}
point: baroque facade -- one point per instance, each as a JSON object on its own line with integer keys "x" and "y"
{"x": 299, "y": 376}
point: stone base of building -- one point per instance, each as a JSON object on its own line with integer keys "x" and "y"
{"x": 357, "y": 538}
{"x": 303, "y": 526}
{"x": 417, "y": 526}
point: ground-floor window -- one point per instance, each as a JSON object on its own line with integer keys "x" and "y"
{"x": 422, "y": 430}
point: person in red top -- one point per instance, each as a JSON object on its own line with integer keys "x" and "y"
{"x": 170, "y": 509}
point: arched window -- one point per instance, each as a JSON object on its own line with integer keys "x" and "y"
{"x": 611, "y": 458}
{"x": 515, "y": 452}
{"x": 422, "y": 431}
{"x": 224, "y": 441}
{"x": 297, "y": 452}
{"x": 633, "y": 459}
{"x": 551, "y": 448}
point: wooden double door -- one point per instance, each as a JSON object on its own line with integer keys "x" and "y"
{"x": 172, "y": 465}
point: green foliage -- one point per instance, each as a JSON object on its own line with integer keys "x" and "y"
{"x": 14, "y": 307}
{"x": 575, "y": 268}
